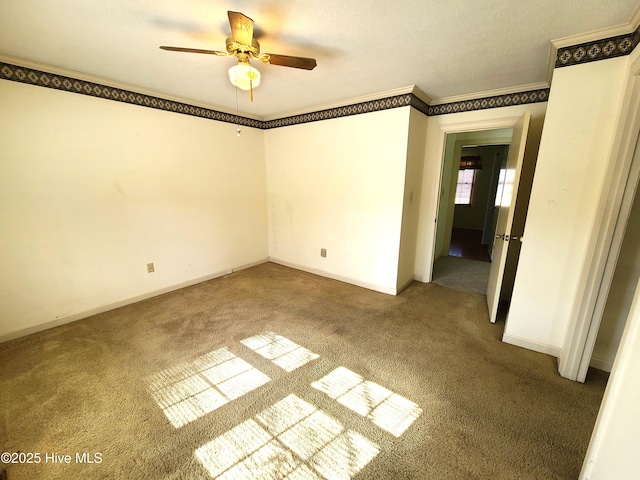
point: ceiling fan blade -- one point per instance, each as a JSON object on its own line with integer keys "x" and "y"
{"x": 195, "y": 50}
{"x": 289, "y": 61}
{"x": 241, "y": 28}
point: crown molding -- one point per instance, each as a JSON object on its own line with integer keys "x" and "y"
{"x": 41, "y": 78}
{"x": 593, "y": 36}
{"x": 495, "y": 101}
{"x": 551, "y": 66}
{"x": 22, "y": 62}
{"x": 342, "y": 103}
{"x": 22, "y": 71}
{"x": 489, "y": 93}
{"x": 422, "y": 96}
{"x": 623, "y": 29}
{"x": 635, "y": 20}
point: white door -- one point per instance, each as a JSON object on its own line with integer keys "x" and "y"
{"x": 505, "y": 213}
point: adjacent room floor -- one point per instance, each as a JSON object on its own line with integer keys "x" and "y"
{"x": 468, "y": 264}
{"x": 462, "y": 274}
{"x": 467, "y": 243}
{"x": 273, "y": 371}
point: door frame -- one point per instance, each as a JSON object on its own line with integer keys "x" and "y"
{"x": 463, "y": 127}
{"x": 605, "y": 241}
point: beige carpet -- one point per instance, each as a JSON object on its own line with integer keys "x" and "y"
{"x": 275, "y": 373}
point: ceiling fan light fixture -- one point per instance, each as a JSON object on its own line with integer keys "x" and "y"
{"x": 244, "y": 76}
{"x": 242, "y": 45}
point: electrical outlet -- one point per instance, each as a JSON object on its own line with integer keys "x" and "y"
{"x": 323, "y": 252}
{"x": 150, "y": 268}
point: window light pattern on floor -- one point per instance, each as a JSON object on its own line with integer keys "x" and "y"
{"x": 280, "y": 350}
{"x": 190, "y": 391}
{"x": 386, "y": 409}
{"x": 292, "y": 440}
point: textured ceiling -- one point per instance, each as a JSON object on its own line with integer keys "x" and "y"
{"x": 445, "y": 48}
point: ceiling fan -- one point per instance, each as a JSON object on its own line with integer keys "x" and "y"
{"x": 244, "y": 47}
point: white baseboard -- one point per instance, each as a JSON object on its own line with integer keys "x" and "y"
{"x": 322, "y": 273}
{"x": 531, "y": 345}
{"x": 601, "y": 364}
{"x": 22, "y": 332}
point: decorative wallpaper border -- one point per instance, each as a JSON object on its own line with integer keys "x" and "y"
{"x": 69, "y": 84}
{"x": 59, "y": 82}
{"x": 419, "y": 105}
{"x": 523, "y": 98}
{"x": 599, "y": 50}
{"x": 346, "y": 111}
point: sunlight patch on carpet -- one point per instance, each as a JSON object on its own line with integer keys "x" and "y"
{"x": 291, "y": 439}
{"x": 280, "y": 350}
{"x": 386, "y": 409}
{"x": 189, "y": 391}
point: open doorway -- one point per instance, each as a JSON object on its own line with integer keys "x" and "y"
{"x": 467, "y": 212}
{"x": 513, "y": 206}
{"x": 477, "y": 198}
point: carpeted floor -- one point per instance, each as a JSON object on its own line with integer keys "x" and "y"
{"x": 275, "y": 373}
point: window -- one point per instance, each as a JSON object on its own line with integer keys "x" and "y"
{"x": 464, "y": 189}
{"x": 500, "y": 189}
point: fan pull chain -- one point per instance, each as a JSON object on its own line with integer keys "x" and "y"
{"x": 251, "y": 89}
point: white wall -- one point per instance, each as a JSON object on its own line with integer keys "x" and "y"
{"x": 339, "y": 184}
{"x": 577, "y": 136}
{"x": 412, "y": 188}
{"x": 91, "y": 190}
{"x": 438, "y": 126}
{"x": 614, "y": 446}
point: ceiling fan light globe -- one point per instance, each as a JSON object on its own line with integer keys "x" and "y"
{"x": 244, "y": 76}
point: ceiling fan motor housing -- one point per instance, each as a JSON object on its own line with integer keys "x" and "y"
{"x": 235, "y": 48}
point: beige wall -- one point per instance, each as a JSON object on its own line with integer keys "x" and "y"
{"x": 412, "y": 189}
{"x": 613, "y": 450}
{"x": 621, "y": 294}
{"x": 339, "y": 184}
{"x": 445, "y": 202}
{"x": 92, "y": 190}
{"x": 577, "y": 137}
{"x": 95, "y": 189}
